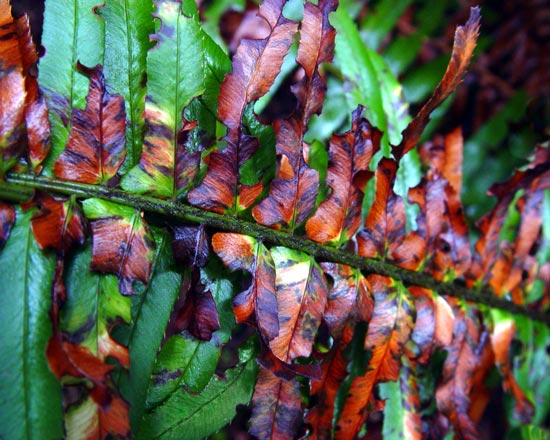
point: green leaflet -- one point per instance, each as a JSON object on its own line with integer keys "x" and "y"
{"x": 72, "y": 32}
{"x": 372, "y": 83}
{"x": 93, "y": 306}
{"x": 381, "y": 20}
{"x": 128, "y": 24}
{"x": 25, "y": 380}
{"x": 192, "y": 416}
{"x": 178, "y": 70}
{"x": 150, "y": 312}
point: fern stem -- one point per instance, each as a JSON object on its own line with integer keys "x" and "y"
{"x": 17, "y": 187}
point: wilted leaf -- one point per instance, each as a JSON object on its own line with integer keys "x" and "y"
{"x": 176, "y": 73}
{"x": 349, "y": 298}
{"x": 463, "y": 48}
{"x": 293, "y": 193}
{"x": 122, "y": 243}
{"x": 25, "y": 326}
{"x": 389, "y": 330}
{"x": 339, "y": 217}
{"x": 12, "y": 91}
{"x": 7, "y": 219}
{"x": 59, "y": 225}
{"x": 245, "y": 253}
{"x": 96, "y": 146}
{"x": 276, "y": 407}
{"x": 255, "y": 66}
{"x": 453, "y": 395}
{"x": 190, "y": 245}
{"x": 385, "y": 235}
{"x": 187, "y": 415}
{"x": 501, "y": 340}
{"x": 302, "y": 294}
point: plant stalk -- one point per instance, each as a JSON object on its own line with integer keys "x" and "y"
{"x": 18, "y": 187}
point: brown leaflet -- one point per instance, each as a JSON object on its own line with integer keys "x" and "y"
{"x": 463, "y": 48}
{"x": 123, "y": 246}
{"x": 195, "y": 310}
{"x": 59, "y": 225}
{"x": 389, "y": 330}
{"x": 412, "y": 422}
{"x": 36, "y": 111}
{"x": 384, "y": 234}
{"x": 239, "y": 252}
{"x": 12, "y": 91}
{"x": 96, "y": 146}
{"x": 301, "y": 300}
{"x": 323, "y": 391}
{"x": 501, "y": 340}
{"x": 292, "y": 194}
{"x": 276, "y": 407}
{"x": 454, "y": 394}
{"x": 7, "y": 220}
{"x": 339, "y": 217}
{"x": 255, "y": 66}
{"x": 349, "y": 299}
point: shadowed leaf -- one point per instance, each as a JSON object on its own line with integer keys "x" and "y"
{"x": 301, "y": 300}
{"x": 339, "y": 217}
{"x": 245, "y": 253}
{"x": 255, "y": 66}
{"x": 389, "y": 330}
{"x": 385, "y": 235}
{"x": 463, "y": 48}
{"x": 276, "y": 407}
{"x": 122, "y": 243}
{"x": 97, "y": 144}
{"x": 190, "y": 245}
{"x": 7, "y": 219}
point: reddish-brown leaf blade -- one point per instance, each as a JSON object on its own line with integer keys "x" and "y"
{"x": 122, "y": 243}
{"x": 454, "y": 394}
{"x": 501, "y": 340}
{"x": 255, "y": 66}
{"x": 339, "y": 217}
{"x": 59, "y": 225}
{"x": 292, "y": 194}
{"x": 7, "y": 220}
{"x": 239, "y": 252}
{"x": 190, "y": 245}
{"x": 276, "y": 407}
{"x": 12, "y": 91}
{"x": 349, "y": 300}
{"x": 389, "y": 330}
{"x": 301, "y": 299}
{"x": 325, "y": 389}
{"x": 96, "y": 146}
{"x": 463, "y": 48}
{"x": 385, "y": 235}
{"x": 36, "y": 111}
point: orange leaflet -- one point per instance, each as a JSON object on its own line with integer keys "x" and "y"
{"x": 385, "y": 235}
{"x": 245, "y": 253}
{"x": 389, "y": 330}
{"x": 463, "y": 48}
{"x": 292, "y": 194}
{"x": 339, "y": 217}
{"x": 276, "y": 407}
{"x": 255, "y": 66}
{"x": 96, "y": 146}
